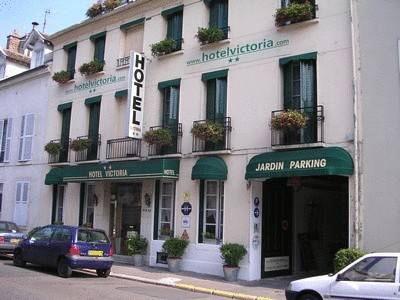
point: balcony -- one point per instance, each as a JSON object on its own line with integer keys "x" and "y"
{"x": 123, "y": 148}
{"x": 201, "y": 144}
{"x": 63, "y": 155}
{"x": 90, "y": 153}
{"x": 174, "y": 148}
{"x": 312, "y": 133}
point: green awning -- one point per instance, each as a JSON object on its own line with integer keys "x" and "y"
{"x": 97, "y": 35}
{"x": 131, "y": 24}
{"x": 64, "y": 106}
{"x": 121, "y": 93}
{"x": 165, "y": 84}
{"x": 214, "y": 75}
{"x": 306, "y": 56}
{"x": 92, "y": 100}
{"x": 171, "y": 11}
{"x": 119, "y": 170}
{"x": 308, "y": 162}
{"x": 211, "y": 167}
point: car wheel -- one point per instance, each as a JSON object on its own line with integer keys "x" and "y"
{"x": 309, "y": 297}
{"x": 19, "y": 260}
{"x": 103, "y": 273}
{"x": 63, "y": 269}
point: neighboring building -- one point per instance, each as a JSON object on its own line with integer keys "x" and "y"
{"x": 293, "y": 197}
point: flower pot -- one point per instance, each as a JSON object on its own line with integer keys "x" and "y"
{"x": 231, "y": 273}
{"x": 138, "y": 260}
{"x": 174, "y": 264}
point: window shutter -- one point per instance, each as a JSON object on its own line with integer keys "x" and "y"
{"x": 2, "y": 148}
{"x": 210, "y": 107}
{"x": 156, "y": 209}
{"x": 287, "y": 86}
{"x": 8, "y": 140}
{"x": 201, "y": 211}
{"x": 170, "y": 106}
{"x": 26, "y": 139}
{"x": 174, "y": 28}
{"x": 94, "y": 119}
{"x": 66, "y": 120}
{"x": 21, "y": 203}
{"x": 81, "y": 203}
{"x": 220, "y": 93}
{"x": 219, "y": 14}
{"x": 71, "y": 61}
{"x": 99, "y": 46}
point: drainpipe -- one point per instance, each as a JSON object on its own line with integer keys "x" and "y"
{"x": 355, "y": 40}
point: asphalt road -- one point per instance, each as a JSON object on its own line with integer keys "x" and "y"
{"x": 35, "y": 282}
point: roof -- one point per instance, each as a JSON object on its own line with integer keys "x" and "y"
{"x": 27, "y": 72}
{"x": 17, "y": 57}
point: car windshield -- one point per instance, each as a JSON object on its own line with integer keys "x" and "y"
{"x": 13, "y": 227}
{"x": 3, "y": 227}
{"x": 92, "y": 236}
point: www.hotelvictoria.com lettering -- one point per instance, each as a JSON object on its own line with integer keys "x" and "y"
{"x": 294, "y": 164}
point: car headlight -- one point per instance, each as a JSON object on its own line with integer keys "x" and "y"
{"x": 290, "y": 286}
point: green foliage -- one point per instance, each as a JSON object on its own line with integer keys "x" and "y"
{"x": 92, "y": 67}
{"x": 95, "y": 10}
{"x": 295, "y": 12}
{"x": 175, "y": 247}
{"x": 345, "y": 257}
{"x": 210, "y": 35}
{"x": 61, "y": 77}
{"x": 136, "y": 245}
{"x": 208, "y": 131}
{"x": 80, "y": 144}
{"x": 159, "y": 137}
{"x": 53, "y": 148}
{"x": 232, "y": 254}
{"x": 109, "y": 5}
{"x": 289, "y": 119}
{"x": 163, "y": 47}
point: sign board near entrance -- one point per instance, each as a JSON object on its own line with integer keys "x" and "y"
{"x": 276, "y": 263}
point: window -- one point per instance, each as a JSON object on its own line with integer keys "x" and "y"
{"x": 216, "y": 99}
{"x": 21, "y": 203}
{"x": 39, "y": 57}
{"x": 26, "y": 137}
{"x": 71, "y": 61}
{"x": 42, "y": 234}
{"x": 65, "y": 128}
{"x": 164, "y": 209}
{"x": 62, "y": 234}
{"x": 90, "y": 201}
{"x": 59, "y": 204}
{"x": 5, "y": 139}
{"x": 219, "y": 15}
{"x": 1, "y": 196}
{"x": 212, "y": 212}
{"x": 99, "y": 47}
{"x": 171, "y": 106}
{"x": 174, "y": 18}
{"x": 286, "y": 3}
{"x": 2, "y": 70}
{"x": 93, "y": 133}
{"x": 375, "y": 269}
{"x": 134, "y": 39}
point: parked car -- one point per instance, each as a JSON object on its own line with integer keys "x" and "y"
{"x": 66, "y": 248}
{"x": 373, "y": 276}
{"x": 10, "y": 236}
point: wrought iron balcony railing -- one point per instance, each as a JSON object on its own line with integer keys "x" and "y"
{"x": 92, "y": 152}
{"x": 313, "y": 132}
{"x": 123, "y": 148}
{"x": 203, "y": 144}
{"x": 175, "y": 147}
{"x": 63, "y": 155}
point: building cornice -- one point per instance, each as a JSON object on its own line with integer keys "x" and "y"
{"x": 29, "y": 74}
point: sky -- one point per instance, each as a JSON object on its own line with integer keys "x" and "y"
{"x": 19, "y": 15}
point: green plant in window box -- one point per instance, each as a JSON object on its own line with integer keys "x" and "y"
{"x": 158, "y": 137}
{"x": 61, "y": 77}
{"x": 297, "y": 11}
{"x": 80, "y": 144}
{"x": 210, "y": 35}
{"x": 166, "y": 232}
{"x": 163, "y": 47}
{"x": 345, "y": 257}
{"x": 109, "y": 5}
{"x": 208, "y": 131}
{"x": 95, "y": 10}
{"x": 289, "y": 120}
{"x": 92, "y": 67}
{"x": 175, "y": 248}
{"x": 53, "y": 148}
{"x": 232, "y": 254}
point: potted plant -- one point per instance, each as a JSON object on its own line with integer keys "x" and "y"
{"x": 80, "y": 144}
{"x": 208, "y": 131}
{"x": 232, "y": 254}
{"x": 163, "y": 47}
{"x": 345, "y": 257}
{"x": 289, "y": 120}
{"x": 175, "y": 248}
{"x": 109, "y": 5}
{"x": 61, "y": 77}
{"x": 210, "y": 35}
{"x": 95, "y": 10}
{"x": 137, "y": 247}
{"x": 53, "y": 148}
{"x": 92, "y": 67}
{"x": 159, "y": 137}
{"x": 297, "y": 11}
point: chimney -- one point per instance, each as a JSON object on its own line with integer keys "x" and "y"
{"x": 13, "y": 41}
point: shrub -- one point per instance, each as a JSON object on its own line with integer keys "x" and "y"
{"x": 210, "y": 35}
{"x": 289, "y": 119}
{"x": 208, "y": 131}
{"x": 159, "y": 137}
{"x": 175, "y": 247}
{"x": 232, "y": 254}
{"x": 53, "y": 148}
{"x": 95, "y": 10}
{"x": 163, "y": 47}
{"x": 345, "y": 257}
{"x": 295, "y": 12}
{"x": 109, "y": 5}
{"x": 61, "y": 77}
{"x": 80, "y": 144}
{"x": 136, "y": 245}
{"x": 92, "y": 67}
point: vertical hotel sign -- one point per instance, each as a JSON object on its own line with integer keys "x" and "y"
{"x": 137, "y": 71}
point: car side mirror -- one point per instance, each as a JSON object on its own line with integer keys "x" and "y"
{"x": 339, "y": 277}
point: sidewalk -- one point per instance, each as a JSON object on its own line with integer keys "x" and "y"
{"x": 208, "y": 284}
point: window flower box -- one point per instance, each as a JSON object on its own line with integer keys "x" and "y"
{"x": 297, "y": 11}
{"x": 80, "y": 144}
{"x": 289, "y": 120}
{"x": 210, "y": 35}
{"x": 61, "y": 77}
{"x": 163, "y": 47}
{"x": 93, "y": 67}
{"x": 208, "y": 131}
{"x": 101, "y": 7}
{"x": 53, "y": 148}
{"x": 159, "y": 137}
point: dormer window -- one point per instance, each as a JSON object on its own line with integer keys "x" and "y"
{"x": 38, "y": 57}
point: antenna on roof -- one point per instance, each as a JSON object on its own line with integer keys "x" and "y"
{"x": 47, "y": 12}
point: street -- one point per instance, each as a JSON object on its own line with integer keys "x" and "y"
{"x": 35, "y": 282}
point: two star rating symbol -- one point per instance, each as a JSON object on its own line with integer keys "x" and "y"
{"x": 232, "y": 60}
{"x": 92, "y": 91}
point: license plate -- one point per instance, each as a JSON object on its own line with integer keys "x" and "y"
{"x": 14, "y": 241}
{"x": 95, "y": 253}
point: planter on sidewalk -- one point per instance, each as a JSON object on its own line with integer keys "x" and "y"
{"x": 231, "y": 273}
{"x": 232, "y": 254}
{"x": 175, "y": 248}
{"x": 174, "y": 264}
{"x": 137, "y": 247}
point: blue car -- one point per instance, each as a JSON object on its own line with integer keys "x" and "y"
{"x": 66, "y": 248}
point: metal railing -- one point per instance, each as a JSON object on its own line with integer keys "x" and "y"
{"x": 175, "y": 147}
{"x": 203, "y": 145}
{"x": 123, "y": 61}
{"x": 92, "y": 152}
{"x": 313, "y": 132}
{"x": 123, "y": 148}
{"x": 63, "y": 155}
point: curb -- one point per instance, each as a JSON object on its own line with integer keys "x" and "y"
{"x": 187, "y": 287}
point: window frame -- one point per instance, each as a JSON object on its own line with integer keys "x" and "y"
{"x": 25, "y": 190}
{"x": 86, "y": 202}
{"x": 24, "y": 136}
{"x": 5, "y": 139}
{"x": 215, "y": 8}
{"x": 171, "y": 209}
{"x": 57, "y": 208}
{"x": 97, "y": 51}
